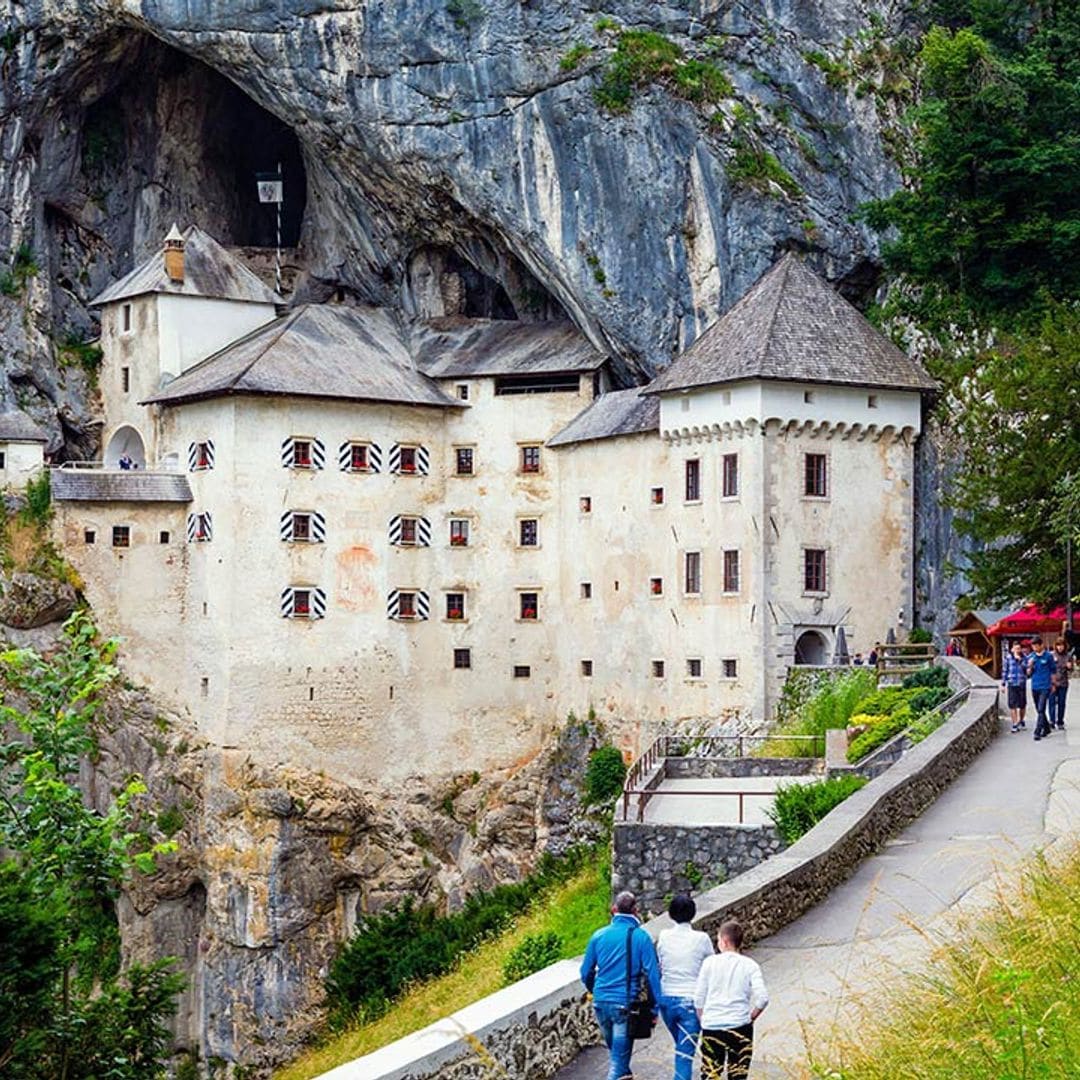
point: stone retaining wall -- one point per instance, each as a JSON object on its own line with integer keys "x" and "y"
{"x": 536, "y": 1026}
{"x": 723, "y": 768}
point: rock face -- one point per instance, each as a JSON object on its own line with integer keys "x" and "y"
{"x": 28, "y": 601}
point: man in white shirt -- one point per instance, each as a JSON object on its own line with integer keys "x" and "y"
{"x": 730, "y": 995}
{"x": 681, "y": 950}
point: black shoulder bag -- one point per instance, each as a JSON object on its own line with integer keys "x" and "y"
{"x": 640, "y": 1007}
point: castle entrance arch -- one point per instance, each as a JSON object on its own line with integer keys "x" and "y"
{"x": 811, "y": 649}
{"x": 125, "y": 440}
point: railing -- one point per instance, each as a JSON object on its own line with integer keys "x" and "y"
{"x": 645, "y": 796}
{"x": 904, "y": 659}
{"x": 100, "y": 466}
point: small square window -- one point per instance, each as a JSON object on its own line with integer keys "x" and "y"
{"x": 125, "y": 379}
{"x": 816, "y": 482}
{"x": 585, "y": 504}
{"x": 463, "y": 391}
{"x": 731, "y": 571}
{"x": 522, "y": 671}
{"x": 163, "y": 536}
{"x": 459, "y": 532}
{"x": 731, "y": 669}
{"x": 89, "y": 536}
{"x": 529, "y": 606}
{"x": 121, "y": 536}
{"x": 586, "y": 590}
{"x": 693, "y": 480}
{"x": 463, "y": 461}
{"x": 301, "y": 454}
{"x": 684, "y": 404}
{"x": 301, "y": 604}
{"x": 125, "y": 319}
{"x": 656, "y": 586}
{"x": 301, "y": 526}
{"x": 692, "y": 580}
{"x": 808, "y": 397}
{"x": 656, "y": 496}
{"x": 586, "y": 668}
{"x": 725, "y": 397}
{"x": 871, "y": 401}
{"x": 462, "y": 659}
{"x": 408, "y": 531}
{"x": 455, "y": 606}
{"x": 530, "y": 459}
{"x": 358, "y": 458}
{"x": 204, "y": 687}
{"x": 406, "y": 606}
{"x": 729, "y": 482}
{"x": 529, "y": 532}
{"x": 693, "y": 668}
{"x": 657, "y": 668}
{"x": 407, "y": 460}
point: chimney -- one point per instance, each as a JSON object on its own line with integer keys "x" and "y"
{"x": 174, "y": 255}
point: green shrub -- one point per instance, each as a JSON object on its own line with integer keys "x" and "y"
{"x": 755, "y": 167}
{"x": 925, "y": 725}
{"x": 574, "y": 55}
{"x": 38, "y": 508}
{"x": 886, "y": 728}
{"x": 920, "y": 636}
{"x": 928, "y": 698}
{"x": 533, "y": 953}
{"x": 931, "y": 675}
{"x": 799, "y": 807}
{"x": 884, "y": 701}
{"x": 831, "y": 705}
{"x": 702, "y": 80}
{"x": 604, "y": 775}
{"x": 170, "y": 821}
{"x": 464, "y": 12}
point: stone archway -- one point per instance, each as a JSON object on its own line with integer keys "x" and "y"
{"x": 125, "y": 440}
{"x": 811, "y": 649}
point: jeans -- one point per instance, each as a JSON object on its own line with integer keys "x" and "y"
{"x": 614, "y": 1026}
{"x": 1041, "y": 697}
{"x": 1057, "y": 705}
{"x": 681, "y": 1019}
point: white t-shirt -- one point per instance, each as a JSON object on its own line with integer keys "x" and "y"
{"x": 729, "y": 985}
{"x": 681, "y": 950}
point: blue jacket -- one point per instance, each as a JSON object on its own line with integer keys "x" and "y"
{"x": 1041, "y": 666}
{"x": 603, "y": 969}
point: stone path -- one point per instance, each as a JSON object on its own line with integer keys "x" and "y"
{"x": 722, "y": 806}
{"x": 1018, "y": 795}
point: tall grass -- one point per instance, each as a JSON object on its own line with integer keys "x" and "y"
{"x": 1000, "y": 1001}
{"x": 830, "y": 706}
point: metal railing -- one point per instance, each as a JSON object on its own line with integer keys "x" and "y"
{"x": 100, "y": 466}
{"x": 903, "y": 659}
{"x": 645, "y": 796}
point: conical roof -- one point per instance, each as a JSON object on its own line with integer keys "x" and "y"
{"x": 790, "y": 325}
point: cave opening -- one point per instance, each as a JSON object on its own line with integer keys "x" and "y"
{"x": 178, "y": 141}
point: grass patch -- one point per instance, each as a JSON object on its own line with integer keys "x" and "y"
{"x": 831, "y": 705}
{"x": 572, "y": 912}
{"x": 757, "y": 168}
{"x": 1000, "y": 1001}
{"x": 574, "y": 55}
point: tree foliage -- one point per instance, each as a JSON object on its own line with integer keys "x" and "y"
{"x": 78, "y": 1016}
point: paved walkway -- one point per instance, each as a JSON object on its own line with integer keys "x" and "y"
{"x": 1018, "y": 796}
{"x": 722, "y": 805}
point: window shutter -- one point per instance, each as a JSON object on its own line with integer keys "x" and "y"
{"x": 395, "y": 532}
{"x": 422, "y": 460}
{"x": 286, "y": 453}
{"x": 318, "y": 454}
{"x": 285, "y": 531}
{"x": 423, "y": 604}
{"x": 193, "y": 456}
{"x": 318, "y": 526}
{"x": 374, "y": 456}
{"x": 395, "y": 458}
{"x": 423, "y": 530}
{"x": 317, "y": 605}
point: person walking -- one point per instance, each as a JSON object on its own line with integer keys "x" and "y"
{"x": 1014, "y": 683}
{"x": 613, "y": 982}
{"x": 730, "y": 995}
{"x": 681, "y": 950}
{"x": 1059, "y": 683}
{"x": 1040, "y": 668}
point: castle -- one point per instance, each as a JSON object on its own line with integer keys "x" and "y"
{"x": 384, "y": 547}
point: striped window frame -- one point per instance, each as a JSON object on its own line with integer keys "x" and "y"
{"x": 316, "y": 449}
{"x": 316, "y": 527}
{"x": 303, "y": 602}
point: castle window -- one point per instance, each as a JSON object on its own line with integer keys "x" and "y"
{"x": 586, "y": 669}
{"x": 586, "y": 590}
{"x": 656, "y": 496}
{"x": 529, "y": 532}
{"x": 409, "y": 460}
{"x": 808, "y": 397}
{"x": 459, "y": 532}
{"x": 3, "y": 459}
{"x": 303, "y": 602}
{"x": 89, "y": 536}
{"x": 409, "y": 531}
{"x": 407, "y": 605}
{"x": 729, "y": 488}
{"x": 200, "y": 456}
{"x": 814, "y": 567}
{"x": 871, "y": 401}
{"x": 694, "y": 667}
{"x": 302, "y": 527}
{"x": 125, "y": 379}
{"x": 463, "y": 461}
{"x": 200, "y": 528}
{"x": 463, "y": 391}
{"x": 301, "y": 452}
{"x": 693, "y": 480}
{"x": 731, "y": 571}
{"x": 455, "y": 606}
{"x": 522, "y": 671}
{"x": 530, "y": 459}
{"x": 585, "y": 504}
{"x": 125, "y": 319}
{"x": 121, "y": 536}
{"x": 656, "y": 586}
{"x": 529, "y": 606}
{"x": 462, "y": 659}
{"x": 657, "y": 669}
{"x": 360, "y": 457}
{"x": 163, "y": 536}
{"x": 730, "y": 668}
{"x": 692, "y": 580}
{"x": 816, "y": 476}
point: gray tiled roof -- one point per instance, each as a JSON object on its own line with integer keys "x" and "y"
{"x": 318, "y": 350}
{"x": 16, "y": 426}
{"x": 209, "y": 270}
{"x": 791, "y": 325}
{"x": 621, "y": 412}
{"x": 459, "y": 347}
{"x": 136, "y": 485}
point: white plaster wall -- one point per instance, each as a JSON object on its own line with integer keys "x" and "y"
{"x": 136, "y": 351}
{"x": 194, "y": 327}
{"x": 22, "y": 462}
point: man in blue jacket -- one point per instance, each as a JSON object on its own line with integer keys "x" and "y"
{"x": 603, "y": 971}
{"x": 1041, "y": 667}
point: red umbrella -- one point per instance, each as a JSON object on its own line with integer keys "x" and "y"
{"x": 1032, "y": 619}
